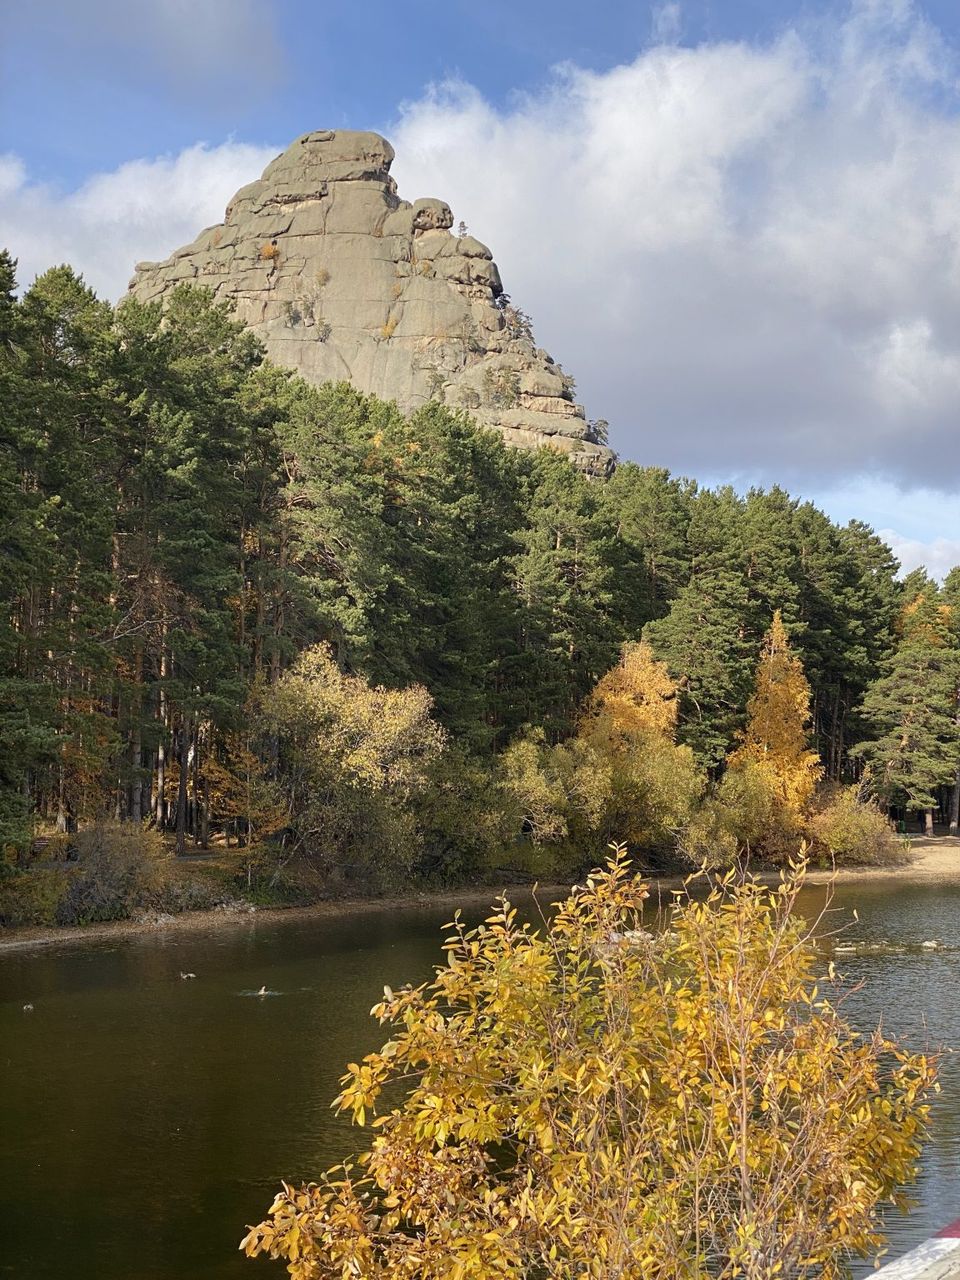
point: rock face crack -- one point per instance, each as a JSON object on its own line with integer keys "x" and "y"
{"x": 334, "y": 272}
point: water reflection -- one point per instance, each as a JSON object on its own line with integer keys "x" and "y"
{"x": 145, "y": 1119}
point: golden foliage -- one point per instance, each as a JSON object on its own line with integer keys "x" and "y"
{"x": 776, "y": 737}
{"x": 629, "y": 722}
{"x": 388, "y": 329}
{"x": 555, "y": 790}
{"x": 914, "y": 620}
{"x": 636, "y": 697}
{"x": 269, "y": 252}
{"x": 849, "y": 827}
{"x": 238, "y": 787}
{"x": 621, "y": 774}
{"x": 371, "y": 736}
{"x": 352, "y": 758}
{"x": 590, "y": 1099}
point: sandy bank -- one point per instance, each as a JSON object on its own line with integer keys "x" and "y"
{"x": 933, "y": 859}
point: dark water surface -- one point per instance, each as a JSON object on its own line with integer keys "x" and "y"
{"x": 145, "y": 1120}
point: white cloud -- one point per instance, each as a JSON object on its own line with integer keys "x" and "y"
{"x": 749, "y": 255}
{"x": 143, "y": 210}
{"x": 920, "y": 525}
{"x": 667, "y": 22}
{"x": 938, "y": 557}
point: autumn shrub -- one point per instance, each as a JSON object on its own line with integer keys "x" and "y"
{"x": 556, "y": 800}
{"x": 850, "y": 828}
{"x": 353, "y": 760}
{"x": 186, "y": 888}
{"x": 608, "y": 1096}
{"x": 655, "y": 787}
{"x": 533, "y": 790}
{"x": 118, "y": 872}
{"x": 709, "y": 838}
{"x": 749, "y": 806}
{"x": 30, "y": 895}
{"x": 577, "y": 795}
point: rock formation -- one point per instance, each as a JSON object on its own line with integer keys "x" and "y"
{"x": 341, "y": 279}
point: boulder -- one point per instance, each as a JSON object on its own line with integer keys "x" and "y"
{"x": 341, "y": 279}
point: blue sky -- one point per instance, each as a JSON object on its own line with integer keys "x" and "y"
{"x": 737, "y": 222}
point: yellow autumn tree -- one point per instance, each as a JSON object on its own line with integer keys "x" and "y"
{"x": 776, "y": 740}
{"x": 599, "y": 1097}
{"x": 635, "y": 698}
{"x": 630, "y": 724}
{"x": 241, "y": 792}
{"x": 352, "y": 757}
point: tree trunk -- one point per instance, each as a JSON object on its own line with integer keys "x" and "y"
{"x": 135, "y": 801}
{"x": 928, "y": 822}
{"x": 184, "y": 754}
{"x": 160, "y": 811}
{"x": 955, "y": 805}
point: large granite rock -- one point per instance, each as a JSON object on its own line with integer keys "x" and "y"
{"x": 341, "y": 279}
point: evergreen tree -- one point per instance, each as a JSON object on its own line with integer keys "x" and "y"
{"x": 651, "y": 514}
{"x": 705, "y": 638}
{"x": 563, "y": 576}
{"x": 65, "y": 616}
{"x": 26, "y": 729}
{"x": 951, "y": 599}
{"x": 911, "y": 711}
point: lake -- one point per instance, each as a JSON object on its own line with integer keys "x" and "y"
{"x": 145, "y": 1120}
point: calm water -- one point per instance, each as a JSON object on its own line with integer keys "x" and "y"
{"x": 145, "y": 1120}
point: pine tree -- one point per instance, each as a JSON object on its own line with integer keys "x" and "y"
{"x": 65, "y": 617}
{"x": 705, "y": 638}
{"x": 27, "y": 736}
{"x": 563, "y": 577}
{"x": 911, "y": 711}
{"x": 651, "y": 513}
{"x": 951, "y": 599}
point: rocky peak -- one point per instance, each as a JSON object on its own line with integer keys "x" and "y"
{"x": 341, "y": 279}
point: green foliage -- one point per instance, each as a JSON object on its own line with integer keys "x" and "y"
{"x": 849, "y": 829}
{"x": 586, "y": 1097}
{"x": 912, "y": 709}
{"x": 463, "y": 821}
{"x": 179, "y": 521}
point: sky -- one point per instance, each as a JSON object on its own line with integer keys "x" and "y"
{"x": 736, "y": 222}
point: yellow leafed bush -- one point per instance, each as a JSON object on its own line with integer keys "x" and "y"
{"x": 849, "y": 828}
{"x": 588, "y": 1098}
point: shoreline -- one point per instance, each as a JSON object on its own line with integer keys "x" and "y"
{"x": 932, "y": 859}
